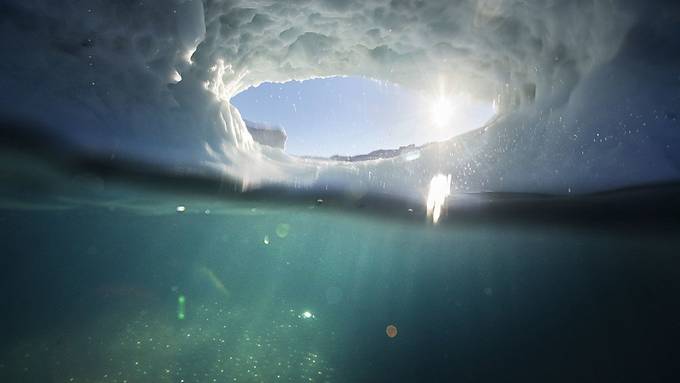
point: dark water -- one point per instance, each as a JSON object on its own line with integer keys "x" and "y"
{"x": 92, "y": 273}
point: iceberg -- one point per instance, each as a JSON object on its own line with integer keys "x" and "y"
{"x": 586, "y": 92}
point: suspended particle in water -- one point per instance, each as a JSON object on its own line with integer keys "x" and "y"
{"x": 391, "y": 331}
{"x": 307, "y": 315}
{"x": 266, "y": 240}
{"x": 282, "y": 230}
{"x": 181, "y": 302}
{"x": 181, "y": 209}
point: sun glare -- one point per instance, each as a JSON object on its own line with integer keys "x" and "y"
{"x": 441, "y": 111}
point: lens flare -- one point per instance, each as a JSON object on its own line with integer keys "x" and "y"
{"x": 440, "y": 189}
{"x": 391, "y": 331}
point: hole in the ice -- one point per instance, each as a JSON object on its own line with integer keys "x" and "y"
{"x": 351, "y": 116}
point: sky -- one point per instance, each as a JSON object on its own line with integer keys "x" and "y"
{"x": 355, "y": 115}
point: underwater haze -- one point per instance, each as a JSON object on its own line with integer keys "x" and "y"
{"x": 109, "y": 280}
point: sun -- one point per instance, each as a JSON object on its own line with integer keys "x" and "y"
{"x": 441, "y": 111}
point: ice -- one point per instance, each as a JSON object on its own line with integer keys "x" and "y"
{"x": 586, "y": 91}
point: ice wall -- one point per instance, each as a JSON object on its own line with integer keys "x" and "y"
{"x": 587, "y": 90}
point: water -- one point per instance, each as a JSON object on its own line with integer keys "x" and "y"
{"x": 104, "y": 280}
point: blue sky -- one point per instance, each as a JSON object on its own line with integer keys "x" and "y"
{"x": 353, "y": 115}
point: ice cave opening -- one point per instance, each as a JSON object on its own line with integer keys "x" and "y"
{"x": 354, "y": 118}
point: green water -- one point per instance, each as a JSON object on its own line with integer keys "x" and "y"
{"x": 109, "y": 281}
{"x": 248, "y": 292}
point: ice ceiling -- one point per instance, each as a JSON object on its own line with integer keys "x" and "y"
{"x": 588, "y": 90}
